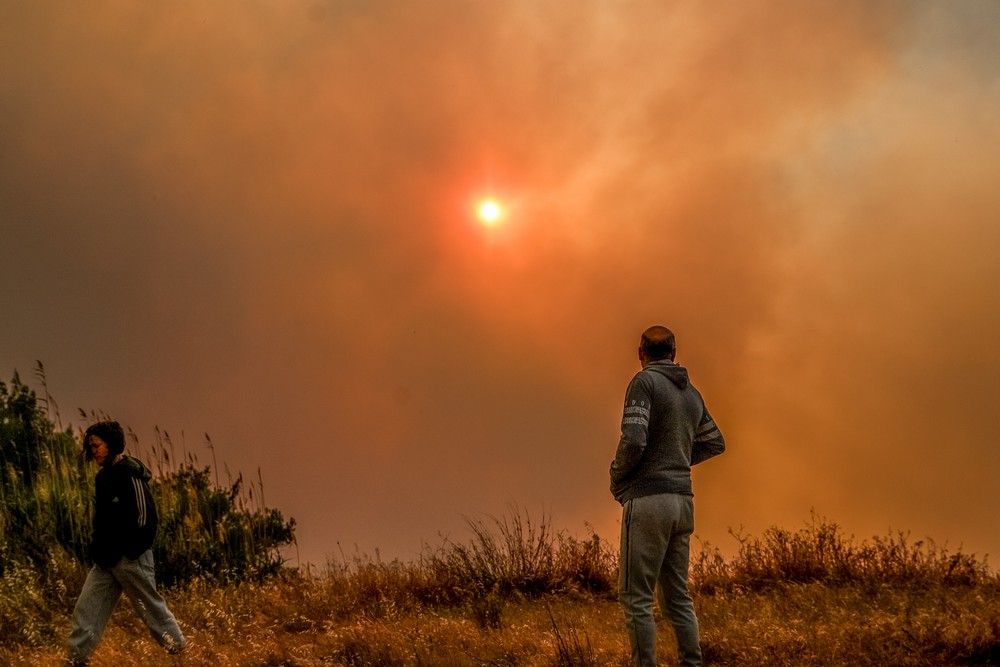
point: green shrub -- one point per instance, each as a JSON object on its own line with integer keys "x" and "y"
{"x": 46, "y": 514}
{"x": 209, "y": 532}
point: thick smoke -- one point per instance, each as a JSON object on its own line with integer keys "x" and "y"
{"x": 254, "y": 219}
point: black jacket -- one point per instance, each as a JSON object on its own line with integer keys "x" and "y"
{"x": 125, "y": 514}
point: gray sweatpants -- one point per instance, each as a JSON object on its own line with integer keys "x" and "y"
{"x": 99, "y": 596}
{"x": 655, "y": 546}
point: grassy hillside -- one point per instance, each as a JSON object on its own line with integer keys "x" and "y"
{"x": 516, "y": 592}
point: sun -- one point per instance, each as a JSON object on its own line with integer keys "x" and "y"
{"x": 490, "y": 212}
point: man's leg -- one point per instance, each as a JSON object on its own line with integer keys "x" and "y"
{"x": 90, "y": 615}
{"x": 675, "y": 599}
{"x": 139, "y": 582}
{"x": 644, "y": 540}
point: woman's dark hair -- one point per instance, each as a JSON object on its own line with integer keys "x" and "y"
{"x": 110, "y": 432}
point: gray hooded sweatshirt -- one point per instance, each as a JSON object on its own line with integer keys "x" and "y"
{"x": 666, "y": 429}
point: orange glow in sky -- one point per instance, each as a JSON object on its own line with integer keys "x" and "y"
{"x": 442, "y": 227}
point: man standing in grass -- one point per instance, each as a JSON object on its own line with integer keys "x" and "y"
{"x": 666, "y": 429}
{"x": 124, "y": 527}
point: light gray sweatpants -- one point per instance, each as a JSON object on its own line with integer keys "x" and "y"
{"x": 655, "y": 547}
{"x": 99, "y": 596}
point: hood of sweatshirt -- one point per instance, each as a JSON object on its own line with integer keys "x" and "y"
{"x": 135, "y": 468}
{"x": 676, "y": 374}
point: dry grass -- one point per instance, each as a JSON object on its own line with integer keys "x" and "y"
{"x": 256, "y": 625}
{"x": 368, "y": 613}
{"x": 299, "y": 622}
{"x": 516, "y": 594}
{"x": 813, "y": 624}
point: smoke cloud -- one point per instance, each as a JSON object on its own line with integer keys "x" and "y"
{"x": 255, "y": 219}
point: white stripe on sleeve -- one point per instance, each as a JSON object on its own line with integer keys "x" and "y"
{"x": 140, "y": 501}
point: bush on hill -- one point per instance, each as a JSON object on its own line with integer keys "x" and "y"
{"x": 46, "y": 511}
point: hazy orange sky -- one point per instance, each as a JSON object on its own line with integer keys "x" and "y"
{"x": 255, "y": 219}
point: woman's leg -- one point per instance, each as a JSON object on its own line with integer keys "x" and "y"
{"x": 139, "y": 582}
{"x": 90, "y": 615}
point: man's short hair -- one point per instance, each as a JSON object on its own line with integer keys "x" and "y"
{"x": 658, "y": 343}
{"x": 110, "y": 432}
